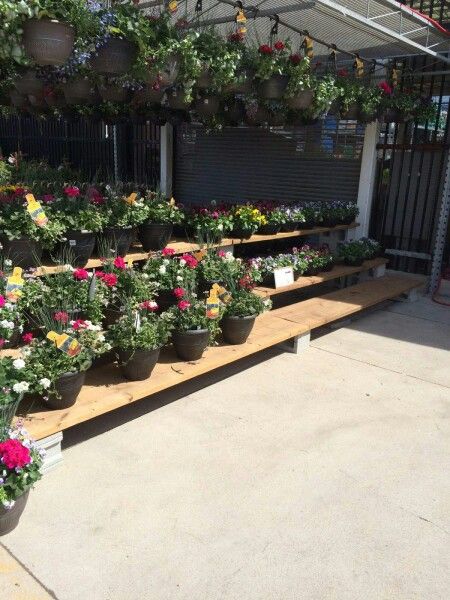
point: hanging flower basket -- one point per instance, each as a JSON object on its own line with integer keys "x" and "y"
{"x": 204, "y": 80}
{"x": 28, "y": 83}
{"x": 148, "y": 94}
{"x": 168, "y": 74}
{"x": 243, "y": 83}
{"x": 116, "y": 57}
{"x": 78, "y": 91}
{"x": 351, "y": 114}
{"x": 48, "y": 41}
{"x": 274, "y": 87}
{"x": 18, "y": 100}
{"x": 302, "y": 100}
{"x": 113, "y": 93}
{"x": 207, "y": 106}
{"x": 392, "y": 115}
{"x": 119, "y": 238}
{"x": 176, "y": 99}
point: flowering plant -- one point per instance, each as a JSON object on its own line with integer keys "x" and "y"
{"x": 219, "y": 56}
{"x": 190, "y": 315}
{"x": 141, "y": 329}
{"x": 121, "y": 213}
{"x": 11, "y": 320}
{"x": 220, "y": 266}
{"x": 158, "y": 209}
{"x": 293, "y": 213}
{"x": 245, "y": 303}
{"x": 353, "y": 252}
{"x": 78, "y": 211}
{"x": 246, "y": 218}
{"x": 272, "y": 215}
{"x": 271, "y": 60}
{"x": 209, "y": 224}
{"x": 14, "y": 383}
{"x": 169, "y": 271}
{"x": 21, "y": 462}
{"x": 300, "y": 77}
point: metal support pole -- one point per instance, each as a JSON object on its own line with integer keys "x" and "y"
{"x": 441, "y": 231}
{"x": 166, "y": 171}
{"x": 115, "y": 155}
{"x": 367, "y": 179}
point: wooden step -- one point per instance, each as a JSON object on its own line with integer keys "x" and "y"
{"x": 181, "y": 246}
{"x": 106, "y": 390}
{"x": 306, "y": 281}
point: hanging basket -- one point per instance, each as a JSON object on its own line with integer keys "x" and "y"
{"x": 243, "y": 83}
{"x": 148, "y": 94}
{"x": 113, "y": 93}
{"x": 168, "y": 74}
{"x": 274, "y": 87}
{"x": 176, "y": 99}
{"x": 351, "y": 114}
{"x": 392, "y": 115}
{"x": 28, "y": 83}
{"x": 207, "y": 106}
{"x": 301, "y": 101}
{"x": 116, "y": 57}
{"x": 205, "y": 79}
{"x": 234, "y": 113}
{"x": 78, "y": 91}
{"x": 48, "y": 41}
{"x": 18, "y": 100}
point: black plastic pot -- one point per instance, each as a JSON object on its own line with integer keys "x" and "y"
{"x": 48, "y": 41}
{"x": 9, "y": 518}
{"x": 308, "y": 225}
{"x": 269, "y": 229}
{"x": 392, "y": 115}
{"x": 235, "y": 330}
{"x": 311, "y": 271}
{"x": 115, "y": 57}
{"x": 154, "y": 236}
{"x": 328, "y": 267}
{"x": 190, "y": 345}
{"x": 329, "y": 222}
{"x": 79, "y": 91}
{"x": 289, "y": 226}
{"x": 301, "y": 101}
{"x": 23, "y": 252}
{"x": 28, "y": 83}
{"x": 258, "y": 117}
{"x": 176, "y": 99}
{"x": 119, "y": 238}
{"x": 113, "y": 93}
{"x": 274, "y": 87}
{"x": 68, "y": 387}
{"x": 241, "y": 234}
{"x": 352, "y": 113}
{"x": 204, "y": 80}
{"x": 137, "y": 365}
{"x": 77, "y": 247}
{"x": 353, "y": 262}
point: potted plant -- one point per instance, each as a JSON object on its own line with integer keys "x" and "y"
{"x": 353, "y": 253}
{"x": 11, "y": 323}
{"x": 160, "y": 216}
{"x": 294, "y": 217}
{"x": 274, "y": 218}
{"x": 372, "y": 248}
{"x": 193, "y": 329}
{"x": 209, "y": 225}
{"x": 312, "y": 212}
{"x": 23, "y": 240}
{"x": 242, "y": 81}
{"x": 271, "y": 65}
{"x": 179, "y": 96}
{"x": 398, "y": 106}
{"x": 123, "y": 214}
{"x": 12, "y": 15}
{"x": 299, "y": 93}
{"x": 82, "y": 220}
{"x": 246, "y": 221}
{"x": 138, "y": 337}
{"x": 218, "y": 266}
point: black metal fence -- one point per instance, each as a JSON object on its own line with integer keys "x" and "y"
{"x": 131, "y": 152}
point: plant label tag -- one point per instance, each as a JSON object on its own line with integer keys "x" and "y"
{"x": 137, "y": 322}
{"x": 131, "y": 199}
{"x": 173, "y": 6}
{"x": 72, "y": 242}
{"x": 172, "y": 201}
{"x": 283, "y": 277}
{"x": 65, "y": 343}
{"x": 200, "y": 255}
{"x": 212, "y": 304}
{"x": 222, "y": 293}
{"x": 14, "y": 285}
{"x": 36, "y": 211}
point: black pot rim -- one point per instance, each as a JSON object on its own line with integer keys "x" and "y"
{"x": 237, "y": 318}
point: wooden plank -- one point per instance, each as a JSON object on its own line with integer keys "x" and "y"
{"x": 335, "y": 273}
{"x": 181, "y": 246}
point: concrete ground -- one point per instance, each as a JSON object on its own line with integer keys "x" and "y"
{"x": 315, "y": 477}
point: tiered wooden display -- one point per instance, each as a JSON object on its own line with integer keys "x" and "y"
{"x": 105, "y": 390}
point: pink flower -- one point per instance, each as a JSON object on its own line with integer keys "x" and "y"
{"x": 80, "y": 274}
{"x": 221, "y": 253}
{"x": 385, "y": 87}
{"x": 19, "y": 191}
{"x": 279, "y": 45}
{"x": 2, "y": 301}
{"x": 190, "y": 260}
{"x": 110, "y": 279}
{"x": 61, "y": 316}
{"x": 179, "y": 292}
{"x": 14, "y": 455}
{"x": 2, "y": 342}
{"x": 72, "y": 191}
{"x": 99, "y": 274}
{"x": 78, "y": 324}
{"x": 168, "y": 252}
{"x": 27, "y": 338}
{"x": 183, "y": 304}
{"x": 119, "y": 263}
{"x": 149, "y": 305}
{"x": 265, "y": 49}
{"x": 48, "y": 198}
{"x": 295, "y": 59}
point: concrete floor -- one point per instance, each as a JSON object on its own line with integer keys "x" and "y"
{"x": 314, "y": 477}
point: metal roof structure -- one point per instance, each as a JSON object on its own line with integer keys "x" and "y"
{"x": 374, "y": 29}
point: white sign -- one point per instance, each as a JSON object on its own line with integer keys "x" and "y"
{"x": 283, "y": 277}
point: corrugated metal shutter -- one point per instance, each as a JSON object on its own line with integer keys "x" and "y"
{"x": 320, "y": 162}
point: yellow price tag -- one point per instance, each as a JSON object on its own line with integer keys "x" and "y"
{"x": 131, "y": 199}
{"x": 65, "y": 343}
{"x": 173, "y": 6}
{"x": 14, "y": 285}
{"x": 36, "y": 211}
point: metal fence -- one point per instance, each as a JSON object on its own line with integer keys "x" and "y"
{"x": 128, "y": 152}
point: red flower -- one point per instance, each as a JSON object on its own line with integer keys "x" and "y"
{"x": 80, "y": 274}
{"x": 119, "y": 263}
{"x": 72, "y": 191}
{"x": 265, "y": 49}
{"x": 279, "y": 45}
{"x": 221, "y": 253}
{"x": 190, "y": 260}
{"x": 343, "y": 73}
{"x": 236, "y": 36}
{"x": 2, "y": 301}
{"x": 61, "y": 316}
{"x": 295, "y": 59}
{"x": 79, "y": 324}
{"x": 14, "y": 455}
{"x": 385, "y": 87}
{"x": 149, "y": 305}
{"x": 168, "y": 252}
{"x": 110, "y": 279}
{"x": 48, "y": 198}
{"x": 246, "y": 282}
{"x": 2, "y": 342}
{"x": 27, "y": 338}
{"x": 19, "y": 191}
{"x": 100, "y": 274}
{"x": 97, "y": 198}
{"x": 179, "y": 292}
{"x": 184, "y": 304}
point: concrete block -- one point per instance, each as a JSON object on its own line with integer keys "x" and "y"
{"x": 379, "y": 271}
{"x": 410, "y": 296}
{"x": 53, "y": 455}
{"x": 297, "y": 344}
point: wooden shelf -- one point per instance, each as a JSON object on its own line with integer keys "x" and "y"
{"x": 306, "y": 281}
{"x": 106, "y": 390}
{"x": 181, "y": 246}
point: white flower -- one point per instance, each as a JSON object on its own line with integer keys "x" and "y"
{"x": 7, "y": 324}
{"x": 101, "y": 338}
{"x": 166, "y": 261}
{"x": 26, "y": 351}
{"x": 229, "y": 256}
{"x": 107, "y": 346}
{"x": 21, "y": 387}
{"x": 162, "y": 269}
{"x": 220, "y": 226}
{"x": 182, "y": 262}
{"x": 179, "y": 278}
{"x": 45, "y": 383}
{"x": 19, "y": 363}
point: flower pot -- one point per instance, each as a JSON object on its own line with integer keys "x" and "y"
{"x": 301, "y": 101}
{"x": 28, "y": 83}
{"x": 190, "y": 345}
{"x": 329, "y": 222}
{"x": 243, "y": 83}
{"x": 77, "y": 247}
{"x": 137, "y": 365}
{"x": 154, "y": 236}
{"x": 310, "y": 271}
{"x": 207, "y": 106}
{"x": 242, "y": 234}
{"x": 353, "y": 261}
{"x": 9, "y": 517}
{"x": 269, "y": 229}
{"x": 308, "y": 225}
{"x": 327, "y": 268}
{"x": 274, "y": 87}
{"x": 148, "y": 94}
{"x": 257, "y": 117}
{"x": 235, "y": 330}
{"x": 78, "y": 91}
{"x": 204, "y": 80}
{"x": 119, "y": 239}
{"x": 48, "y": 41}
{"x": 68, "y": 387}
{"x": 168, "y": 74}
{"x": 23, "y": 252}
{"x": 351, "y": 114}
{"x": 176, "y": 99}
{"x": 115, "y": 57}
{"x": 289, "y": 226}
{"x": 113, "y": 93}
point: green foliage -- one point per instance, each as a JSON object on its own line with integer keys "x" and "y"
{"x": 137, "y": 330}
{"x": 121, "y": 213}
{"x": 221, "y": 267}
{"x": 170, "y": 272}
{"x": 193, "y": 317}
{"x": 157, "y": 209}
{"x": 245, "y": 303}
